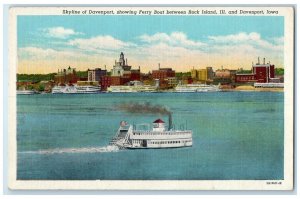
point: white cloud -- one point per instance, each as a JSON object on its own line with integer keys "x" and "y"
{"x": 60, "y": 32}
{"x": 35, "y": 53}
{"x": 278, "y": 40}
{"x": 173, "y": 50}
{"x": 237, "y": 42}
{"x": 100, "y": 43}
{"x": 236, "y": 38}
{"x": 174, "y": 39}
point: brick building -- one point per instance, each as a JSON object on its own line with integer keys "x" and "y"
{"x": 163, "y": 73}
{"x": 66, "y": 76}
{"x": 94, "y": 75}
{"x": 107, "y": 81}
{"x": 261, "y": 73}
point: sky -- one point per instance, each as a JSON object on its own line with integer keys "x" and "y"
{"x": 48, "y": 43}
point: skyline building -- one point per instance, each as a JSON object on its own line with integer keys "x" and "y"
{"x": 120, "y": 67}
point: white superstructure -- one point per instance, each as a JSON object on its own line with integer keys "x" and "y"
{"x": 190, "y": 88}
{"x": 134, "y": 86}
{"x": 26, "y": 92}
{"x": 158, "y": 137}
{"x": 75, "y": 89}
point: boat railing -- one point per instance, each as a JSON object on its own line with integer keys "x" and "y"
{"x": 161, "y": 133}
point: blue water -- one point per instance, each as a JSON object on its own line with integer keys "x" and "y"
{"x": 236, "y": 136}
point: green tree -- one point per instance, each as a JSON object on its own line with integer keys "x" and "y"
{"x": 29, "y": 87}
{"x": 279, "y": 71}
{"x": 41, "y": 87}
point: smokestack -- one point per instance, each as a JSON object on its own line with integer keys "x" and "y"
{"x": 258, "y": 62}
{"x": 170, "y": 121}
{"x": 158, "y": 65}
{"x": 126, "y": 61}
{"x": 105, "y": 67}
{"x": 264, "y": 61}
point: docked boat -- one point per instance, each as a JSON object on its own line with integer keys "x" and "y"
{"x": 191, "y": 88}
{"x": 121, "y": 89}
{"x": 75, "y": 89}
{"x": 131, "y": 137}
{"x": 26, "y": 92}
{"x": 132, "y": 87}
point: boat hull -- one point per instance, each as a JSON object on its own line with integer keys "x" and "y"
{"x": 168, "y": 147}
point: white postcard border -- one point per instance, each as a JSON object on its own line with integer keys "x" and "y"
{"x": 286, "y": 184}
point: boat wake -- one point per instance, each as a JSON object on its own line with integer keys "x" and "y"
{"x": 105, "y": 149}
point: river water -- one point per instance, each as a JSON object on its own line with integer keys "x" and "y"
{"x": 236, "y": 136}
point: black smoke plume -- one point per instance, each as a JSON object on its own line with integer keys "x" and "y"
{"x": 146, "y": 108}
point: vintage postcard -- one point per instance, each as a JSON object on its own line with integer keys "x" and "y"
{"x": 151, "y": 98}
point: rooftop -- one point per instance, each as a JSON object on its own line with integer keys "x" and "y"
{"x": 158, "y": 121}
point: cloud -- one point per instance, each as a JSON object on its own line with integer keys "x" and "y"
{"x": 35, "y": 53}
{"x": 278, "y": 40}
{"x": 60, "y": 32}
{"x": 172, "y": 50}
{"x": 174, "y": 39}
{"x": 241, "y": 39}
{"x": 100, "y": 43}
{"x": 236, "y": 38}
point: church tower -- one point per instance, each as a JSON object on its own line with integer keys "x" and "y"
{"x": 122, "y": 60}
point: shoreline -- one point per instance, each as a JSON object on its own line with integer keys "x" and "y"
{"x": 223, "y": 90}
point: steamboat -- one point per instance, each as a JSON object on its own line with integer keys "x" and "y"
{"x": 75, "y": 89}
{"x": 159, "y": 136}
{"x": 191, "y": 88}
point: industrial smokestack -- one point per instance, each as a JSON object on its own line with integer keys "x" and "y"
{"x": 170, "y": 121}
{"x": 258, "y": 62}
{"x": 264, "y": 61}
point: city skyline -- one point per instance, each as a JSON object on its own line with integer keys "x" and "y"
{"x": 49, "y": 43}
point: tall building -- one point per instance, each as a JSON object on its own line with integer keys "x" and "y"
{"x": 133, "y": 74}
{"x": 66, "y": 76}
{"x": 261, "y": 73}
{"x": 94, "y": 75}
{"x": 194, "y": 73}
{"x": 105, "y": 82}
{"x": 163, "y": 73}
{"x": 202, "y": 74}
{"x": 210, "y": 73}
{"x": 120, "y": 66}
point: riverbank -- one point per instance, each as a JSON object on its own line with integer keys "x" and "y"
{"x": 252, "y": 88}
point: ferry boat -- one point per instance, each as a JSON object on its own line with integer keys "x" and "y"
{"x": 75, "y": 89}
{"x": 129, "y": 137}
{"x": 191, "y": 88}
